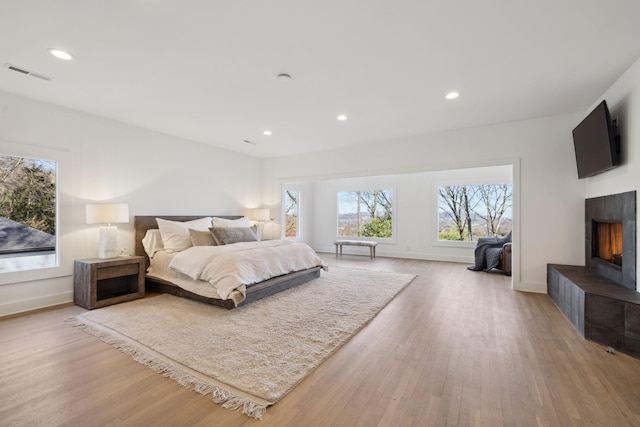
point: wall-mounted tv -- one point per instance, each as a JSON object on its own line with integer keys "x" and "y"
{"x": 596, "y": 143}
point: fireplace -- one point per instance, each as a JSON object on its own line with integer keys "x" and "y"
{"x": 610, "y": 237}
{"x": 600, "y": 299}
{"x": 607, "y": 242}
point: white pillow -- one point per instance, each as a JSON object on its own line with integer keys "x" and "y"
{"x": 152, "y": 242}
{"x": 175, "y": 234}
{"x": 222, "y": 222}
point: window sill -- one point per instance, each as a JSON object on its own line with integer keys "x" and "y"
{"x": 455, "y": 244}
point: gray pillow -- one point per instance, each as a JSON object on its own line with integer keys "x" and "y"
{"x": 201, "y": 238}
{"x": 228, "y": 235}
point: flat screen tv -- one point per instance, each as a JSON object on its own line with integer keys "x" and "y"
{"x": 596, "y": 144}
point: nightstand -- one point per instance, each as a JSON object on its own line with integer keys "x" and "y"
{"x": 100, "y": 282}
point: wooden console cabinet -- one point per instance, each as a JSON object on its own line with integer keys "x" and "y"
{"x": 101, "y": 282}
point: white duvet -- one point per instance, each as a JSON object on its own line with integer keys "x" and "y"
{"x": 232, "y": 267}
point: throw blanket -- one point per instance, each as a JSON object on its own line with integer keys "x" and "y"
{"x": 488, "y": 251}
{"x": 232, "y": 267}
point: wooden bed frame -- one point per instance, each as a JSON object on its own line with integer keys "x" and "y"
{"x": 142, "y": 224}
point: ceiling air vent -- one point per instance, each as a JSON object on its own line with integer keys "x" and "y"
{"x": 27, "y": 72}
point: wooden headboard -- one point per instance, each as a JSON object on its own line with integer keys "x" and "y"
{"x": 141, "y": 224}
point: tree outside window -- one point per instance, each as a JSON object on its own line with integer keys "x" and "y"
{"x": 365, "y": 213}
{"x": 27, "y": 204}
{"x": 28, "y": 192}
{"x": 291, "y": 214}
{"x": 467, "y": 212}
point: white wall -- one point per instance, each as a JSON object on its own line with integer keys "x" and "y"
{"x": 548, "y": 205}
{"x": 415, "y": 211}
{"x": 623, "y": 99}
{"x": 102, "y": 160}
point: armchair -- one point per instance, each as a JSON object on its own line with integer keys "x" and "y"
{"x": 493, "y": 252}
{"x": 505, "y": 259}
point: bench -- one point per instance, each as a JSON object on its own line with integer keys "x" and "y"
{"x": 369, "y": 243}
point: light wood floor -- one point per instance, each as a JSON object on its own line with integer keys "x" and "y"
{"x": 455, "y": 348}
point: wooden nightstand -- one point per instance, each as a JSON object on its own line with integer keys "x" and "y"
{"x": 101, "y": 282}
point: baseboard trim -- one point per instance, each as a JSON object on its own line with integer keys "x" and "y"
{"x": 48, "y": 302}
{"x": 356, "y": 251}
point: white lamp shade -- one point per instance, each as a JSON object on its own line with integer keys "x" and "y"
{"x": 107, "y": 213}
{"x": 260, "y": 215}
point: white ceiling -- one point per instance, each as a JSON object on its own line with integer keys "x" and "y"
{"x": 205, "y": 70}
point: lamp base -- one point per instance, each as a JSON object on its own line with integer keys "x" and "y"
{"x": 108, "y": 245}
{"x": 260, "y": 230}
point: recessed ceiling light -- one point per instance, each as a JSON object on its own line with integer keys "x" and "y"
{"x": 452, "y": 95}
{"x": 342, "y": 117}
{"x": 267, "y": 132}
{"x": 61, "y": 54}
{"x": 284, "y": 77}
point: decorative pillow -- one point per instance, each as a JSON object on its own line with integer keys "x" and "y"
{"x": 229, "y": 235}
{"x": 202, "y": 238}
{"x": 223, "y": 222}
{"x": 152, "y": 242}
{"x": 175, "y": 234}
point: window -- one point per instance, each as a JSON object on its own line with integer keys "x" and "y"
{"x": 365, "y": 213}
{"x": 467, "y": 212}
{"x": 291, "y": 214}
{"x": 28, "y": 199}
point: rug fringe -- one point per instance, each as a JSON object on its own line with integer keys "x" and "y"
{"x": 218, "y": 395}
{"x": 249, "y": 408}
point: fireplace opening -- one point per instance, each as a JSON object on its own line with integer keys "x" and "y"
{"x": 607, "y": 242}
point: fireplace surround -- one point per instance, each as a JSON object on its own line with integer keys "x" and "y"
{"x": 600, "y": 299}
{"x": 605, "y": 217}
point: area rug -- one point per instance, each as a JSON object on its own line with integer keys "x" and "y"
{"x": 250, "y": 357}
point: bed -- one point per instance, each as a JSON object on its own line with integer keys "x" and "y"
{"x": 160, "y": 278}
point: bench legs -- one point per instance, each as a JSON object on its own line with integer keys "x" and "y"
{"x": 372, "y": 250}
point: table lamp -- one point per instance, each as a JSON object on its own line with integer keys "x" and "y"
{"x": 107, "y": 213}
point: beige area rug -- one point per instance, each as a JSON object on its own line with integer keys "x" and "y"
{"x": 250, "y": 357}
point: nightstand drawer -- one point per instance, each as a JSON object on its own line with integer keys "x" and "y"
{"x": 117, "y": 271}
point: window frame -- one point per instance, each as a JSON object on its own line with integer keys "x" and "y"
{"x": 63, "y": 265}
{"x": 436, "y": 217}
{"x": 394, "y": 213}
{"x": 298, "y": 235}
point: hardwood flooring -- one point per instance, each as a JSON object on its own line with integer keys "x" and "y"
{"x": 455, "y": 348}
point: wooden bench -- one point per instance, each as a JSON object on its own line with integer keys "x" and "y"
{"x": 369, "y": 243}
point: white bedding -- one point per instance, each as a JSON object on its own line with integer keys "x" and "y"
{"x": 159, "y": 268}
{"x": 230, "y": 268}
